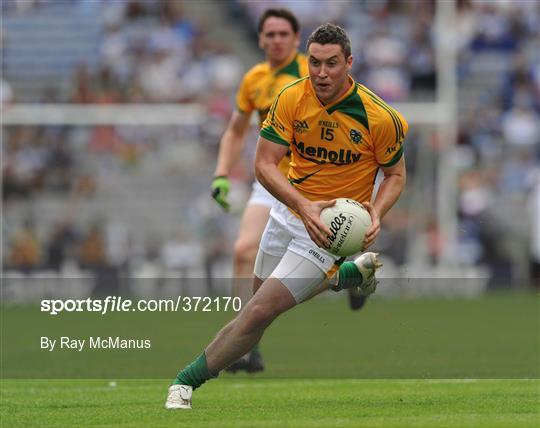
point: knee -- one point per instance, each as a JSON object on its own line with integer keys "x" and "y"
{"x": 245, "y": 251}
{"x": 258, "y": 315}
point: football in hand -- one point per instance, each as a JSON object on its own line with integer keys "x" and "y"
{"x": 348, "y": 221}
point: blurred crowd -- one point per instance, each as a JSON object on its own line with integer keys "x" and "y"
{"x": 392, "y": 41}
{"x": 498, "y": 156}
{"x": 151, "y": 52}
{"x": 154, "y": 52}
{"x": 36, "y": 159}
{"x": 148, "y": 51}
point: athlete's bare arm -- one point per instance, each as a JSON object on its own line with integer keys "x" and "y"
{"x": 388, "y": 194}
{"x": 267, "y": 158}
{"x": 232, "y": 142}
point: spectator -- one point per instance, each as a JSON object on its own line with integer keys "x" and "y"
{"x": 520, "y": 126}
{"x": 493, "y": 30}
{"x": 26, "y": 252}
{"x": 59, "y": 245}
{"x": 519, "y": 85}
{"x": 92, "y": 250}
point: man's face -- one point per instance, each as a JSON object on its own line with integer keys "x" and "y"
{"x": 328, "y": 70}
{"x": 278, "y": 39}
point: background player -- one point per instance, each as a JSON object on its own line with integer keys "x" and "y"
{"x": 347, "y": 135}
{"x": 279, "y": 38}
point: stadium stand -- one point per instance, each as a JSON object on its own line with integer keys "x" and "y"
{"x": 147, "y": 186}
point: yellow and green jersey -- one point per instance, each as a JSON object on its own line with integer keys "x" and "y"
{"x": 262, "y": 83}
{"x": 337, "y": 148}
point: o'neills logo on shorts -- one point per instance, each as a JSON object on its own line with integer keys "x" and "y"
{"x": 317, "y": 255}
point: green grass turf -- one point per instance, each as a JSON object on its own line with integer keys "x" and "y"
{"x": 495, "y": 336}
{"x": 276, "y": 403}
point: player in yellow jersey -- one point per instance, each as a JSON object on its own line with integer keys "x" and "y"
{"x": 340, "y": 134}
{"x": 279, "y": 39}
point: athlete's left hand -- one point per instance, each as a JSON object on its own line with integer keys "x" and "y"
{"x": 375, "y": 228}
{"x": 220, "y": 190}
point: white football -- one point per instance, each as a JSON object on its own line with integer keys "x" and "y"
{"x": 348, "y": 222}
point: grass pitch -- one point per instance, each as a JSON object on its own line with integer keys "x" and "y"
{"x": 326, "y": 366}
{"x": 276, "y": 403}
{"x": 492, "y": 337}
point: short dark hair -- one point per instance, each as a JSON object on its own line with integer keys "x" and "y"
{"x": 331, "y": 34}
{"x": 279, "y": 13}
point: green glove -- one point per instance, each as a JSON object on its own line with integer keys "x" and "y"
{"x": 220, "y": 190}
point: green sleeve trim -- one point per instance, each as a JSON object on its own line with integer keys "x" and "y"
{"x": 395, "y": 159}
{"x": 270, "y": 134}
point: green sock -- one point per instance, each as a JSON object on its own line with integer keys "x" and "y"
{"x": 195, "y": 374}
{"x": 349, "y": 276}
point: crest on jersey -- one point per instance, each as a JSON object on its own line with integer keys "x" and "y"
{"x": 300, "y": 126}
{"x": 355, "y": 135}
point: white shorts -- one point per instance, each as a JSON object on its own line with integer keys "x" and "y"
{"x": 286, "y": 252}
{"x": 260, "y": 196}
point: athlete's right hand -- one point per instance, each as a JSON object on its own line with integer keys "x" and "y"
{"x": 310, "y": 214}
{"x": 220, "y": 189}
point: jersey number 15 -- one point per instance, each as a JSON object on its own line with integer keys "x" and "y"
{"x": 327, "y": 134}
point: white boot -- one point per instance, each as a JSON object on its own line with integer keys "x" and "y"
{"x": 368, "y": 264}
{"x": 179, "y": 397}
